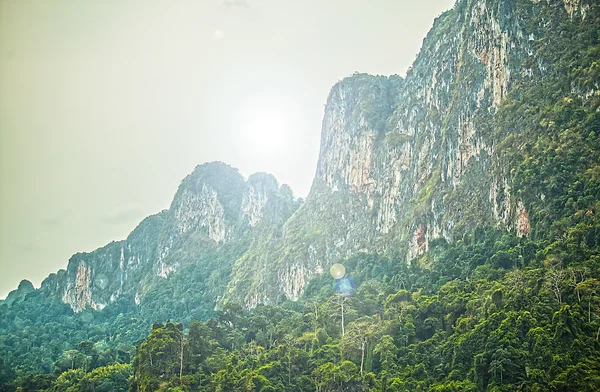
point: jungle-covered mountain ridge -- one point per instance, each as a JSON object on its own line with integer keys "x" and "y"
{"x": 462, "y": 199}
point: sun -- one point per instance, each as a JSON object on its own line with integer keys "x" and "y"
{"x": 265, "y": 127}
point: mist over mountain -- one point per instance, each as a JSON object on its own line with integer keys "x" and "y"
{"x": 463, "y": 200}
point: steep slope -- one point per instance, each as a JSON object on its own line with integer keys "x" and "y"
{"x": 25, "y": 287}
{"x": 404, "y": 161}
{"x": 215, "y": 212}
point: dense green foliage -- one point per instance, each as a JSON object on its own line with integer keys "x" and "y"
{"x": 549, "y": 131}
{"x": 490, "y": 311}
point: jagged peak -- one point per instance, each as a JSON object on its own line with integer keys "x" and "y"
{"x": 217, "y": 181}
{"x": 286, "y": 191}
{"x": 361, "y": 84}
{"x": 25, "y": 287}
{"x": 269, "y": 183}
{"x": 260, "y": 189}
{"x": 217, "y": 174}
{"x": 265, "y": 179}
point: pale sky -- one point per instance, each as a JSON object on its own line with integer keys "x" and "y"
{"x": 106, "y": 105}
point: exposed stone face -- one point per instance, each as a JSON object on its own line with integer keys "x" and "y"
{"x": 571, "y": 6}
{"x": 214, "y": 205}
{"x": 403, "y": 161}
{"x": 259, "y": 188}
{"x": 348, "y": 133}
{"x": 208, "y": 199}
{"x": 500, "y": 200}
{"x": 201, "y": 210}
{"x": 293, "y": 281}
{"x": 78, "y": 292}
{"x": 418, "y": 244}
{"x": 492, "y": 46}
{"x": 523, "y": 226}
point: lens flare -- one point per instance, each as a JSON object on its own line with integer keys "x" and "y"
{"x": 345, "y": 286}
{"x": 337, "y": 271}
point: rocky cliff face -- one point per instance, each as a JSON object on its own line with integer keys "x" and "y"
{"x": 214, "y": 205}
{"x": 402, "y": 161}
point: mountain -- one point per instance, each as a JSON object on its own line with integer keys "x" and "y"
{"x": 402, "y": 161}
{"x": 25, "y": 287}
{"x": 462, "y": 198}
{"x": 405, "y": 161}
{"x": 215, "y": 212}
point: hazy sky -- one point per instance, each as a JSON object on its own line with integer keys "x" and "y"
{"x": 106, "y": 105}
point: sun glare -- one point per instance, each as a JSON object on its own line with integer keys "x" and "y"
{"x": 264, "y": 127}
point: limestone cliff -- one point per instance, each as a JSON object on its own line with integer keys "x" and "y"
{"x": 213, "y": 205}
{"x": 404, "y": 161}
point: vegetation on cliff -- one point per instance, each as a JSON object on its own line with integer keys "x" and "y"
{"x": 491, "y": 310}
